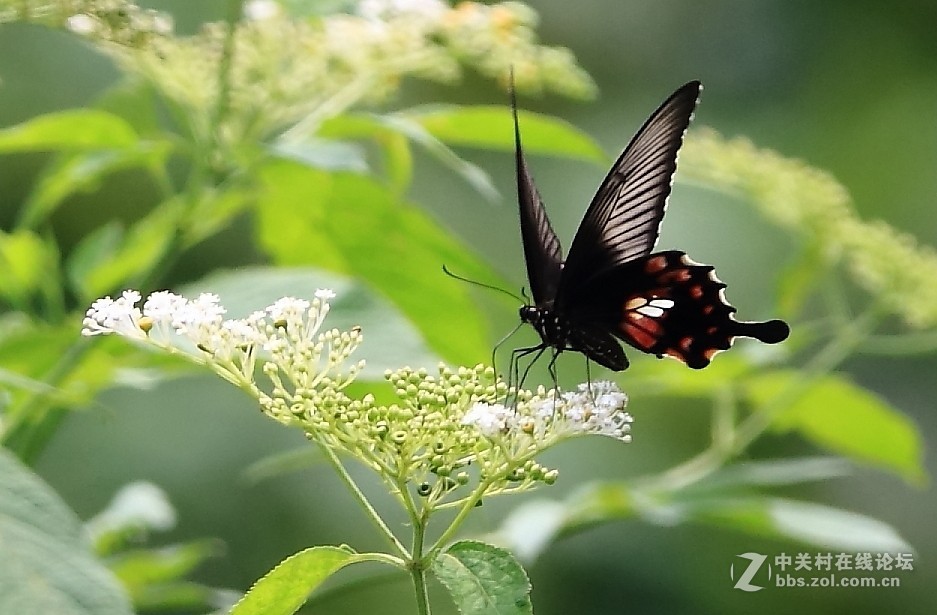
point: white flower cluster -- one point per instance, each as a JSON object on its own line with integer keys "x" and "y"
{"x": 596, "y": 409}
{"x": 287, "y": 332}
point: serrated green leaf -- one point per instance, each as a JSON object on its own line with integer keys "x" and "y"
{"x": 483, "y": 579}
{"x": 285, "y": 588}
{"x": 79, "y": 129}
{"x": 492, "y": 127}
{"x": 46, "y": 564}
{"x": 350, "y": 224}
{"x": 841, "y": 416}
{"x": 389, "y": 339}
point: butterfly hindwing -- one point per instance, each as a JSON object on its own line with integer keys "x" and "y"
{"x": 668, "y": 305}
{"x": 621, "y": 224}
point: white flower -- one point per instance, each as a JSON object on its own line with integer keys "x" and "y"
{"x": 384, "y": 9}
{"x": 199, "y": 319}
{"x": 81, "y": 23}
{"x": 163, "y": 24}
{"x": 119, "y": 315}
{"x": 489, "y": 419}
{"x": 259, "y": 10}
{"x": 288, "y": 311}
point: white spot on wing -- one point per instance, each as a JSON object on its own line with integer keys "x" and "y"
{"x": 651, "y": 311}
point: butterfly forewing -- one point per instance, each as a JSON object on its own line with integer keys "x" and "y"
{"x": 621, "y": 224}
{"x": 542, "y": 250}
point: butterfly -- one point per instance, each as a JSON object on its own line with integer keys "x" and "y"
{"x": 611, "y": 287}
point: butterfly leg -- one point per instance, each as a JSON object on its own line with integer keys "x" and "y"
{"x": 551, "y": 368}
{"x": 589, "y": 379}
{"x": 516, "y": 379}
{"x": 498, "y": 345}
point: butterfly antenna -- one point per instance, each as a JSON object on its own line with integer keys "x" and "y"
{"x": 482, "y": 284}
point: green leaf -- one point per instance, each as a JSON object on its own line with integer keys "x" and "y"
{"x": 807, "y": 522}
{"x": 666, "y": 377}
{"x": 724, "y": 501}
{"x": 323, "y": 154}
{"x": 389, "y": 339}
{"x": 80, "y": 129}
{"x": 387, "y": 130}
{"x": 46, "y": 564}
{"x": 284, "y": 589}
{"x": 213, "y": 213}
{"x": 25, "y": 263}
{"x": 492, "y": 127}
{"x": 77, "y": 171}
{"x": 141, "y": 567}
{"x": 284, "y": 462}
{"x": 155, "y": 578}
{"x": 473, "y": 175}
{"x": 841, "y": 416}
{"x": 483, "y": 579}
{"x": 775, "y": 473}
{"x": 350, "y": 224}
{"x": 108, "y": 261}
{"x": 799, "y": 279}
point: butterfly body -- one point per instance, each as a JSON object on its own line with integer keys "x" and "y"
{"x": 610, "y": 287}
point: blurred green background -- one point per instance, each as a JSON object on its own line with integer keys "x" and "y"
{"x": 850, "y": 87}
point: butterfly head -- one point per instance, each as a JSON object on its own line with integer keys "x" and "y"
{"x": 530, "y": 314}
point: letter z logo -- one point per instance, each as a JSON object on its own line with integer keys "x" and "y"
{"x": 744, "y": 582}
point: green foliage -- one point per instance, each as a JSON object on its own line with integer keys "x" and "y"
{"x": 43, "y": 539}
{"x": 483, "y": 579}
{"x": 491, "y": 127}
{"x": 303, "y": 212}
{"x": 841, "y": 416}
{"x": 241, "y": 118}
{"x": 285, "y": 588}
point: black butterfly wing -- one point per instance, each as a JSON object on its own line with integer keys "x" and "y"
{"x": 669, "y": 305}
{"x": 542, "y": 250}
{"x": 622, "y": 221}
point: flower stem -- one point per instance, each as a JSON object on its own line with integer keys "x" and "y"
{"x": 363, "y": 500}
{"x": 418, "y": 564}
